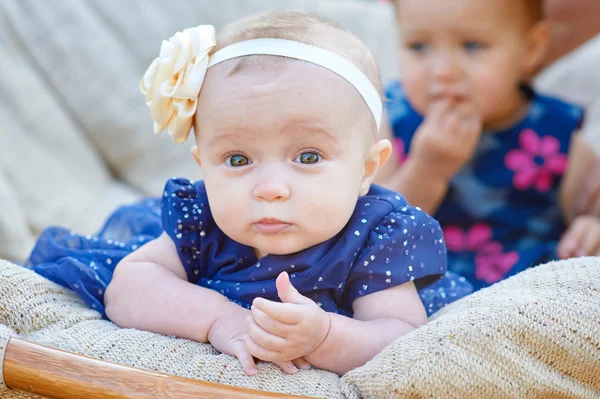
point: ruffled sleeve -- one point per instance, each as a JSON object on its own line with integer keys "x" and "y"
{"x": 406, "y": 245}
{"x": 184, "y": 211}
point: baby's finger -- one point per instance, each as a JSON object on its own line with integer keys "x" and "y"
{"x": 288, "y": 313}
{"x": 260, "y": 352}
{"x": 301, "y": 363}
{"x": 269, "y": 324}
{"x": 570, "y": 242}
{"x": 239, "y": 350}
{"x": 590, "y": 241}
{"x": 288, "y": 367}
{"x": 438, "y": 108}
{"x": 451, "y": 122}
{"x": 265, "y": 339}
{"x": 471, "y": 126}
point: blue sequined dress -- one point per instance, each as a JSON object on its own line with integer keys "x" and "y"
{"x": 386, "y": 243}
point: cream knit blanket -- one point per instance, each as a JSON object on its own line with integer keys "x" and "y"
{"x": 534, "y": 335}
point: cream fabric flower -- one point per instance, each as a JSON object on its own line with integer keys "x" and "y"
{"x": 173, "y": 81}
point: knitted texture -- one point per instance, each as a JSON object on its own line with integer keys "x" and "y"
{"x": 41, "y": 311}
{"x": 533, "y": 335}
{"x": 536, "y": 335}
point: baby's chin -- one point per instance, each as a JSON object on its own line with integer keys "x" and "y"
{"x": 283, "y": 244}
{"x": 278, "y": 247}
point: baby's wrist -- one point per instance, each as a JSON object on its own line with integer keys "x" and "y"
{"x": 225, "y": 311}
{"x": 427, "y": 172}
{"x": 321, "y": 337}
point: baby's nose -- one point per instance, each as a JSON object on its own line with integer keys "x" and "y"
{"x": 446, "y": 68}
{"x": 271, "y": 188}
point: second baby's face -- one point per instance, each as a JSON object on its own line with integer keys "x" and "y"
{"x": 464, "y": 51}
{"x": 282, "y": 148}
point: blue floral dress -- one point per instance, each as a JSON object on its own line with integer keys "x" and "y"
{"x": 386, "y": 243}
{"x": 501, "y": 214}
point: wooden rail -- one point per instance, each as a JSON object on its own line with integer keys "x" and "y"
{"x": 57, "y": 374}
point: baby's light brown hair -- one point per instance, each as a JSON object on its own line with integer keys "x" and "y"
{"x": 533, "y": 8}
{"x": 304, "y": 28}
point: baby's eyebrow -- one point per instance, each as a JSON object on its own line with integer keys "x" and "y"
{"x": 229, "y": 136}
{"x": 298, "y": 130}
{"x": 309, "y": 130}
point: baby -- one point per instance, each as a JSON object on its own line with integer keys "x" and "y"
{"x": 477, "y": 146}
{"x": 285, "y": 251}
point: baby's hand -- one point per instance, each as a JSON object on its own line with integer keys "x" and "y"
{"x": 227, "y": 336}
{"x": 447, "y": 139}
{"x": 582, "y": 238}
{"x": 288, "y": 330}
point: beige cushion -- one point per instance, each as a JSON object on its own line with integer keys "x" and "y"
{"x": 49, "y": 171}
{"x": 533, "y": 335}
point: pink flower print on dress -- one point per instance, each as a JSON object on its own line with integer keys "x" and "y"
{"x": 536, "y": 162}
{"x": 399, "y": 150}
{"x": 492, "y": 263}
{"x": 473, "y": 240}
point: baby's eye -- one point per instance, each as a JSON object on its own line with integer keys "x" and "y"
{"x": 237, "y": 160}
{"x": 418, "y": 47}
{"x": 308, "y": 158}
{"x": 473, "y": 46}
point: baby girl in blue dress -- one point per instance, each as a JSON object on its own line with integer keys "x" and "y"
{"x": 285, "y": 251}
{"x": 476, "y": 146}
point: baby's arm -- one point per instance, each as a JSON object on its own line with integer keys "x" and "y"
{"x": 353, "y": 342}
{"x": 298, "y": 326}
{"x": 443, "y": 144}
{"x": 582, "y": 161}
{"x": 150, "y": 291}
{"x": 416, "y": 184}
{"x": 582, "y": 237}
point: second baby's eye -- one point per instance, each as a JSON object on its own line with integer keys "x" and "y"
{"x": 473, "y": 46}
{"x": 308, "y": 158}
{"x": 238, "y": 160}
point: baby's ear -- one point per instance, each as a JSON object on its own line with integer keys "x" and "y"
{"x": 196, "y": 155}
{"x": 377, "y": 157}
{"x": 538, "y": 42}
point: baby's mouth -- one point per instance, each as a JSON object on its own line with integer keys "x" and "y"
{"x": 271, "y": 226}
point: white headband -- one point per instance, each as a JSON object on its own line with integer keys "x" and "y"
{"x": 173, "y": 81}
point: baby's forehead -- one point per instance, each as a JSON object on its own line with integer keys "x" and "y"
{"x": 509, "y": 13}
{"x": 275, "y": 91}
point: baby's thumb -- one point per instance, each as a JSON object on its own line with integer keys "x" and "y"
{"x": 287, "y": 292}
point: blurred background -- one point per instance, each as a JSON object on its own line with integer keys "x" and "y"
{"x": 76, "y": 137}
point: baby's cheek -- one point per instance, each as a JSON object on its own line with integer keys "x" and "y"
{"x": 416, "y": 89}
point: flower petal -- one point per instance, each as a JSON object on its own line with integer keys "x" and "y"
{"x": 173, "y": 81}
{"x": 543, "y": 182}
{"x": 525, "y": 178}
{"x": 507, "y": 261}
{"x": 530, "y": 141}
{"x": 557, "y": 164}
{"x": 455, "y": 238}
{"x": 549, "y": 145}
{"x": 517, "y": 160}
{"x": 478, "y": 236}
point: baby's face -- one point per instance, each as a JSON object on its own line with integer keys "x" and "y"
{"x": 282, "y": 151}
{"x": 464, "y": 51}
